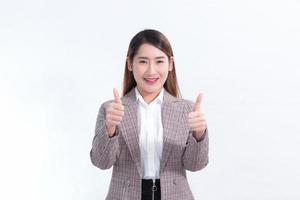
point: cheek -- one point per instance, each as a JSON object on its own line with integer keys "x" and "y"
{"x": 138, "y": 74}
{"x": 164, "y": 73}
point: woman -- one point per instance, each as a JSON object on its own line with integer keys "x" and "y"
{"x": 150, "y": 135}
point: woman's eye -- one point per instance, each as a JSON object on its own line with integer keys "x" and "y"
{"x": 142, "y": 61}
{"x": 160, "y": 61}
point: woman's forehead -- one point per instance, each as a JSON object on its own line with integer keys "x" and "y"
{"x": 149, "y": 51}
{"x": 146, "y": 57}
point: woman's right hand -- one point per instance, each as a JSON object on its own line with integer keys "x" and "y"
{"x": 114, "y": 114}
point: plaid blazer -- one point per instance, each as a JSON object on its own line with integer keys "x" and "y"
{"x": 181, "y": 152}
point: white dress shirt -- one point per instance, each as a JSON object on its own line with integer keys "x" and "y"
{"x": 150, "y": 134}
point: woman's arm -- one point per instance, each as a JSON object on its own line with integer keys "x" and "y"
{"x": 195, "y": 156}
{"x": 105, "y": 150}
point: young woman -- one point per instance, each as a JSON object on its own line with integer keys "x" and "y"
{"x": 150, "y": 135}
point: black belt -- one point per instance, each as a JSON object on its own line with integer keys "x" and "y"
{"x": 150, "y": 189}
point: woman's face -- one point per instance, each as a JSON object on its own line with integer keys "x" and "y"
{"x": 150, "y": 68}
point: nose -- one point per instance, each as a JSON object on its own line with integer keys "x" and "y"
{"x": 151, "y": 68}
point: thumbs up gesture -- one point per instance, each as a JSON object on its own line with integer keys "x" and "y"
{"x": 114, "y": 114}
{"x": 196, "y": 119}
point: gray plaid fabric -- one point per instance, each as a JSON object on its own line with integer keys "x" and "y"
{"x": 181, "y": 152}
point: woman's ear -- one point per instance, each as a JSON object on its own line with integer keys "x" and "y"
{"x": 171, "y": 63}
{"x": 129, "y": 64}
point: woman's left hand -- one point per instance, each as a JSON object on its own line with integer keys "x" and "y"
{"x": 196, "y": 120}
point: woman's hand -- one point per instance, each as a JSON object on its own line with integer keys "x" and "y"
{"x": 114, "y": 114}
{"x": 196, "y": 120}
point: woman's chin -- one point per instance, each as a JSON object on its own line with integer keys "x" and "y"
{"x": 153, "y": 90}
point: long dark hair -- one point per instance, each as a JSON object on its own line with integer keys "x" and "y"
{"x": 161, "y": 42}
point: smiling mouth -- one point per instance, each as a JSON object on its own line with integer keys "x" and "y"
{"x": 151, "y": 80}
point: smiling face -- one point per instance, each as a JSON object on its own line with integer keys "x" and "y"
{"x": 150, "y": 68}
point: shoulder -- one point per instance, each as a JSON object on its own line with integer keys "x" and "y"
{"x": 168, "y": 98}
{"x": 188, "y": 104}
{"x": 104, "y": 105}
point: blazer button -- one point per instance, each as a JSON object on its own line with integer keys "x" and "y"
{"x": 128, "y": 183}
{"x": 174, "y": 181}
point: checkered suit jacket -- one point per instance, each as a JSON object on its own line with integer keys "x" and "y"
{"x": 181, "y": 152}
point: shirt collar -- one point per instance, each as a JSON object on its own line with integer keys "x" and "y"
{"x": 158, "y": 99}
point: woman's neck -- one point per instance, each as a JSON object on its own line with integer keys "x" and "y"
{"x": 149, "y": 97}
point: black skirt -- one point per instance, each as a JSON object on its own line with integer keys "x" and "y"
{"x": 150, "y": 190}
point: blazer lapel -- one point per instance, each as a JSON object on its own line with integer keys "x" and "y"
{"x": 171, "y": 111}
{"x": 129, "y": 127}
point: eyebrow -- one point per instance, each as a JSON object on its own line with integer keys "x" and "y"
{"x": 159, "y": 57}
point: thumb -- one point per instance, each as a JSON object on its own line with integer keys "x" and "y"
{"x": 198, "y": 102}
{"x": 117, "y": 96}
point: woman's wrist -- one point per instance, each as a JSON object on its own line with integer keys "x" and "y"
{"x": 199, "y": 136}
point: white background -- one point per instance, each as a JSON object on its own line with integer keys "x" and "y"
{"x": 59, "y": 60}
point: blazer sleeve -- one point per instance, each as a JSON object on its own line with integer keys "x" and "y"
{"x": 105, "y": 150}
{"x": 195, "y": 155}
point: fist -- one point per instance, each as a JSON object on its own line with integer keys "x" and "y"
{"x": 114, "y": 114}
{"x": 196, "y": 119}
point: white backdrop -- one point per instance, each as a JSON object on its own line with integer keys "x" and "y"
{"x": 60, "y": 59}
